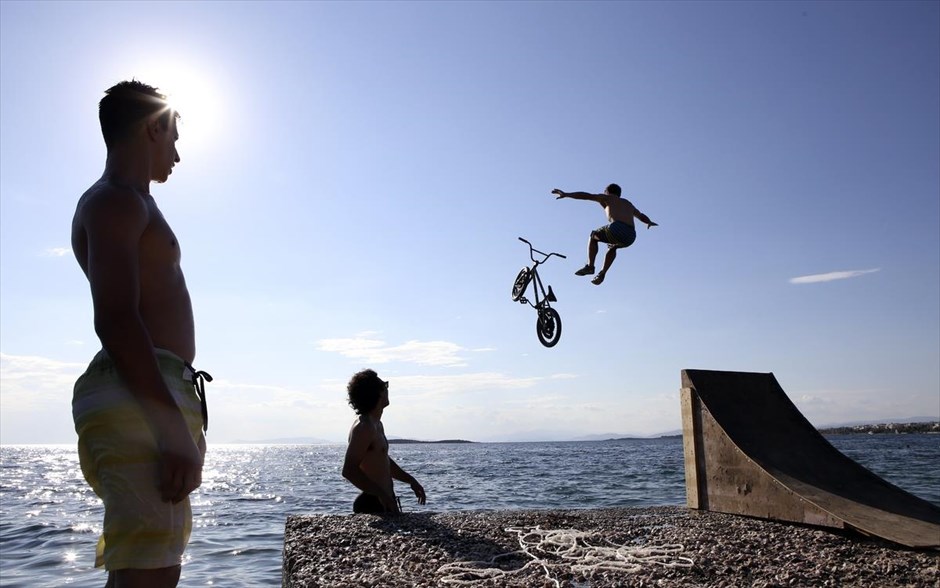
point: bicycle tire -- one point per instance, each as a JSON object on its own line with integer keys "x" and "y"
{"x": 521, "y": 283}
{"x": 548, "y": 326}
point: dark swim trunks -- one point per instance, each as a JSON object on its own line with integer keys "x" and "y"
{"x": 617, "y": 234}
{"x": 367, "y": 503}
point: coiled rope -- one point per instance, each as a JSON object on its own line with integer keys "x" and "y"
{"x": 556, "y": 549}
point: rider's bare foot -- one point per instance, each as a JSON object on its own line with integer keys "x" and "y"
{"x": 598, "y": 279}
{"x": 587, "y": 270}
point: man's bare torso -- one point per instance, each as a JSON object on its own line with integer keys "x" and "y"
{"x": 375, "y": 464}
{"x": 164, "y": 303}
{"x": 619, "y": 209}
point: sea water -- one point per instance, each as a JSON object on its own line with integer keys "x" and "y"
{"x": 50, "y": 519}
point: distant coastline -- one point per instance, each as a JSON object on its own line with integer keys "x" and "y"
{"x": 884, "y": 429}
{"x": 406, "y": 441}
{"x": 920, "y": 427}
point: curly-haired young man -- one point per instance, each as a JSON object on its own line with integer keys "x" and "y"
{"x": 367, "y": 464}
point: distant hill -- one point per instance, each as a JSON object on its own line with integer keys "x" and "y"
{"x": 406, "y": 441}
{"x": 288, "y": 441}
{"x": 619, "y": 436}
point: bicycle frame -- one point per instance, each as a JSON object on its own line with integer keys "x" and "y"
{"x": 539, "y": 287}
{"x": 548, "y": 325}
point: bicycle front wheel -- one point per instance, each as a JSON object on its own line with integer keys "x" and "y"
{"x": 548, "y": 326}
{"x": 521, "y": 283}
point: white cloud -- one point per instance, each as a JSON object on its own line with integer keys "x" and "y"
{"x": 56, "y": 251}
{"x": 36, "y": 399}
{"x": 829, "y": 277}
{"x": 563, "y": 376}
{"x": 460, "y": 383}
{"x": 372, "y": 350}
{"x": 835, "y": 406}
{"x": 29, "y": 381}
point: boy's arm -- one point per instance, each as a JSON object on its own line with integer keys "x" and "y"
{"x": 403, "y": 476}
{"x": 360, "y": 438}
{"x": 643, "y": 218}
{"x": 599, "y": 198}
{"x": 114, "y": 223}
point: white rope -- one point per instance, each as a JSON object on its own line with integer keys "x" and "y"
{"x": 566, "y": 548}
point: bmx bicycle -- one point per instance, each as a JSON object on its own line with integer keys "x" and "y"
{"x": 548, "y": 325}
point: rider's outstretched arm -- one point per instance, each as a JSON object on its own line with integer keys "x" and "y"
{"x": 579, "y": 195}
{"x": 645, "y": 219}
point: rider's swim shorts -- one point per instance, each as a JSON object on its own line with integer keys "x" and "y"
{"x": 616, "y": 234}
{"x": 120, "y": 461}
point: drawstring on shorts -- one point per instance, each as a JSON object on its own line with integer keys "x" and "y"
{"x": 199, "y": 383}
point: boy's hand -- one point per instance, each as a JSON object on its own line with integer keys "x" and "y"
{"x": 419, "y": 492}
{"x": 180, "y": 467}
{"x": 559, "y": 193}
{"x": 651, "y": 224}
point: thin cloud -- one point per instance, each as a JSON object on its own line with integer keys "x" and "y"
{"x": 56, "y": 251}
{"x": 371, "y": 350}
{"x": 31, "y": 381}
{"x": 460, "y": 383}
{"x": 831, "y": 276}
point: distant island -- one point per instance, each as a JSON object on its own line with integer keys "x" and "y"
{"x": 863, "y": 429}
{"x": 406, "y": 441}
{"x": 882, "y": 429}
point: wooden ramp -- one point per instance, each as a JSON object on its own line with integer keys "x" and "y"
{"x": 749, "y": 451}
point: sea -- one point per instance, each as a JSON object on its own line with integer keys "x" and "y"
{"x": 50, "y": 519}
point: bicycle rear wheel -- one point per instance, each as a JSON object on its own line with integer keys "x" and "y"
{"x": 521, "y": 283}
{"x": 548, "y": 326}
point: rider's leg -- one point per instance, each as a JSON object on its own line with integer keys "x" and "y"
{"x": 592, "y": 248}
{"x": 592, "y": 253}
{"x": 608, "y": 261}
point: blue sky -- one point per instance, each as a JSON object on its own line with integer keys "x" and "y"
{"x": 355, "y": 176}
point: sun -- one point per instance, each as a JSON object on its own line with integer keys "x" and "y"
{"x": 194, "y": 96}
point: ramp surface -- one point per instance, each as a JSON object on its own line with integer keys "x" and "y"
{"x": 749, "y": 451}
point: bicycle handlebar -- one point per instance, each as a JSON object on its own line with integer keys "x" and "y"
{"x": 534, "y": 250}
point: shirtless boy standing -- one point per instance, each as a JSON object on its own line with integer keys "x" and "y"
{"x": 367, "y": 464}
{"x": 621, "y": 231}
{"x": 137, "y": 409}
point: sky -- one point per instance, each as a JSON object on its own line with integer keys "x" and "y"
{"x": 355, "y": 178}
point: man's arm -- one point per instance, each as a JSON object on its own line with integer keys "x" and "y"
{"x": 114, "y": 223}
{"x": 402, "y": 475}
{"x": 599, "y": 198}
{"x": 360, "y": 438}
{"x": 644, "y": 219}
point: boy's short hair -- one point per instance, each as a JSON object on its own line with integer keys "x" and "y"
{"x": 126, "y": 105}
{"x": 613, "y": 190}
{"x": 364, "y": 389}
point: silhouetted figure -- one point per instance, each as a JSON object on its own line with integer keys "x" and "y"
{"x": 367, "y": 464}
{"x": 137, "y": 409}
{"x": 621, "y": 231}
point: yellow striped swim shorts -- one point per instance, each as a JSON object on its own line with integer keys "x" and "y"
{"x": 119, "y": 458}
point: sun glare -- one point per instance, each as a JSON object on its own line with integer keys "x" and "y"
{"x": 194, "y": 96}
